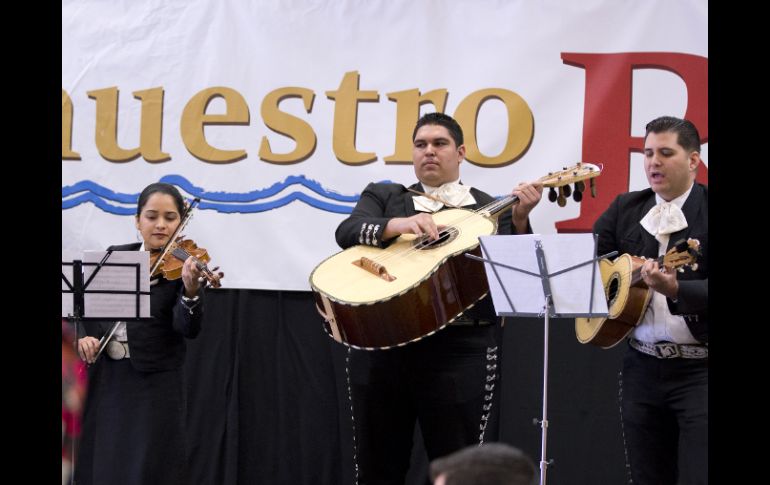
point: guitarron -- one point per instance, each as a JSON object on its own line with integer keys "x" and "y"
{"x": 374, "y": 298}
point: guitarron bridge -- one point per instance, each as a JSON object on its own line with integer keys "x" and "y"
{"x": 375, "y": 268}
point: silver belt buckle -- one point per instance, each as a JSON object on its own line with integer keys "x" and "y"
{"x": 667, "y": 350}
{"x": 116, "y": 350}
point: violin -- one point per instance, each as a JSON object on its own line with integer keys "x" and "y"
{"x": 170, "y": 260}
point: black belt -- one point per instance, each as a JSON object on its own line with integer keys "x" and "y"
{"x": 670, "y": 350}
{"x": 471, "y": 322}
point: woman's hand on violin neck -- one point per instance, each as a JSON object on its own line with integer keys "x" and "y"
{"x": 191, "y": 276}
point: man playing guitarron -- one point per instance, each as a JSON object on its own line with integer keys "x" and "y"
{"x": 444, "y": 381}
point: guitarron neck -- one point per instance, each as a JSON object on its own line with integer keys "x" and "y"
{"x": 494, "y": 209}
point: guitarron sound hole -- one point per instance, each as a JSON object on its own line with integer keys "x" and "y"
{"x": 445, "y": 236}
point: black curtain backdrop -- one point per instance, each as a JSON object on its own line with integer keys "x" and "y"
{"x": 268, "y": 400}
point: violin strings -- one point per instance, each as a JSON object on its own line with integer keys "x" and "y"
{"x": 182, "y": 254}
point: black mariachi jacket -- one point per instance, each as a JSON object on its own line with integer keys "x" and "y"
{"x": 157, "y": 344}
{"x": 381, "y": 202}
{"x": 619, "y": 230}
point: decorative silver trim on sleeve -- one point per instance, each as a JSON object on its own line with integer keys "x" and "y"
{"x": 369, "y": 234}
{"x": 361, "y": 234}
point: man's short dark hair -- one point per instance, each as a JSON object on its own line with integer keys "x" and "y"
{"x": 687, "y": 134}
{"x": 443, "y": 120}
{"x": 490, "y": 464}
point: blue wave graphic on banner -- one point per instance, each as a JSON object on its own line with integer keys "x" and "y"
{"x": 225, "y": 202}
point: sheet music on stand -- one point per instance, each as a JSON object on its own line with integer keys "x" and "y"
{"x": 544, "y": 276}
{"x": 118, "y": 289}
{"x": 575, "y": 283}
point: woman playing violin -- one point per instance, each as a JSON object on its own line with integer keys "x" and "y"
{"x": 133, "y": 424}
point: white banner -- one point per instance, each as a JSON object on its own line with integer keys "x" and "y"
{"x": 278, "y": 113}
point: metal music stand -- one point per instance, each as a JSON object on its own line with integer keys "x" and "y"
{"x": 105, "y": 291}
{"x": 544, "y": 276}
{"x": 102, "y": 291}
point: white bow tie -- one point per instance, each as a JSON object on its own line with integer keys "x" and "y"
{"x": 664, "y": 219}
{"x": 454, "y": 193}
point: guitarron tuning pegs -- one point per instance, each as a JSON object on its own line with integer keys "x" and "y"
{"x": 592, "y": 184}
{"x": 567, "y": 191}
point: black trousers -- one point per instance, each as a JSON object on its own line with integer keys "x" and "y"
{"x": 664, "y": 411}
{"x": 446, "y": 382}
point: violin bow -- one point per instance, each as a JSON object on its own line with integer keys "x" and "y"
{"x": 172, "y": 239}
